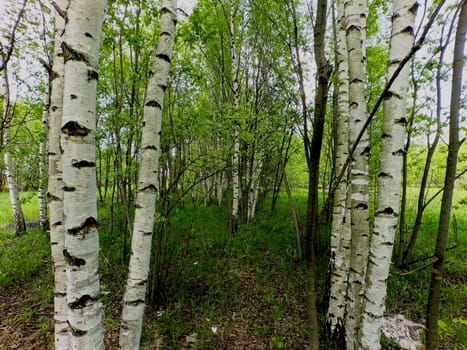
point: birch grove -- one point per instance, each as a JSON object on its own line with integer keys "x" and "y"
{"x": 185, "y": 124}
{"x": 135, "y": 293}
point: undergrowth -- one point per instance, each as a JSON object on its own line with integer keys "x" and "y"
{"x": 220, "y": 290}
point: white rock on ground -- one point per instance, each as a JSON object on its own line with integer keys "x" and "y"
{"x": 403, "y": 331}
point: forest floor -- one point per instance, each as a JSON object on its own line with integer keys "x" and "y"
{"x": 216, "y": 290}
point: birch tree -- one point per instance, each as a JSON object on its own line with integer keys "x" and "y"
{"x": 389, "y": 178}
{"x": 19, "y": 222}
{"x": 78, "y": 143}
{"x": 432, "y": 340}
{"x": 340, "y": 230}
{"x": 147, "y": 186}
{"x": 55, "y": 182}
{"x": 355, "y": 17}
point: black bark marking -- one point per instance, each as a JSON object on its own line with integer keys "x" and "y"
{"x": 385, "y": 136}
{"x": 73, "y": 97}
{"x": 54, "y": 108}
{"x": 149, "y": 188}
{"x": 408, "y": 29}
{"x": 69, "y": 188}
{"x": 89, "y": 224}
{"x": 142, "y": 283}
{"x": 147, "y": 233}
{"x": 402, "y": 121}
{"x": 151, "y": 147}
{"x": 87, "y": 34}
{"x": 134, "y": 302}
{"x": 361, "y": 206}
{"x": 162, "y": 87}
{"x": 75, "y": 331}
{"x": 82, "y": 302}
{"x": 388, "y": 211}
{"x": 356, "y": 81}
{"x": 92, "y": 75}
{"x": 73, "y": 55}
{"x": 385, "y": 175}
{"x": 153, "y": 103}
{"x": 82, "y": 164}
{"x": 72, "y": 260}
{"x": 73, "y": 128}
{"x": 366, "y": 151}
{"x": 399, "y": 152}
{"x": 414, "y": 8}
{"x": 391, "y": 94}
{"x": 163, "y": 57}
{"x": 52, "y": 198}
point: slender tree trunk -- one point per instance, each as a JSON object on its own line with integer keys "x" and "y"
{"x": 236, "y": 135}
{"x": 55, "y": 184}
{"x": 42, "y": 192}
{"x": 19, "y": 223}
{"x": 80, "y": 47}
{"x": 410, "y": 249}
{"x": 403, "y": 205}
{"x": 340, "y": 229}
{"x": 293, "y": 212}
{"x": 355, "y": 17}
{"x": 135, "y": 294}
{"x": 312, "y": 231}
{"x": 389, "y": 178}
{"x": 449, "y": 182}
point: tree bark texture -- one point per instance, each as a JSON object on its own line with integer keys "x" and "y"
{"x": 432, "y": 341}
{"x": 78, "y": 142}
{"x": 55, "y": 185}
{"x": 389, "y": 177}
{"x": 340, "y": 229}
{"x": 42, "y": 191}
{"x": 147, "y": 187}
{"x": 355, "y": 17}
{"x": 19, "y": 223}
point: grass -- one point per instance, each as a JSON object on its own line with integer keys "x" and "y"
{"x": 220, "y": 291}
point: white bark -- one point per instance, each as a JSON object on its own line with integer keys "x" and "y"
{"x": 80, "y": 47}
{"x": 42, "y": 193}
{"x": 340, "y": 241}
{"x": 355, "y": 16}
{"x": 19, "y": 223}
{"x": 255, "y": 181}
{"x": 236, "y": 135}
{"x": 55, "y": 186}
{"x": 387, "y": 208}
{"x": 147, "y": 187}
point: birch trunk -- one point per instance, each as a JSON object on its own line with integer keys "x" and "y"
{"x": 355, "y": 17}
{"x": 236, "y": 152}
{"x": 389, "y": 178}
{"x": 147, "y": 187}
{"x": 55, "y": 185}
{"x": 255, "y": 181}
{"x": 340, "y": 230}
{"x": 42, "y": 193}
{"x": 432, "y": 339}
{"x": 19, "y": 223}
{"x": 78, "y": 142}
